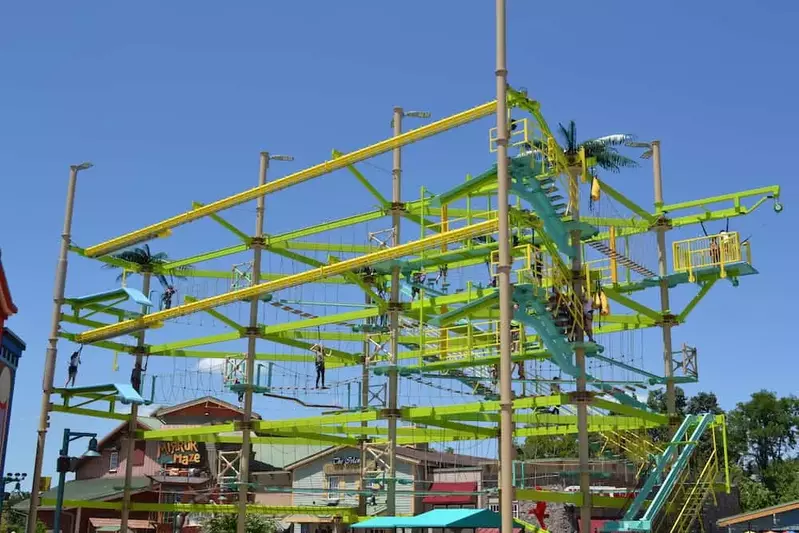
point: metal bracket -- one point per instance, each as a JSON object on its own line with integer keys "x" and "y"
{"x": 242, "y": 275}
{"x": 377, "y": 395}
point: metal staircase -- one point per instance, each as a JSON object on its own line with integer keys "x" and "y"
{"x": 670, "y": 479}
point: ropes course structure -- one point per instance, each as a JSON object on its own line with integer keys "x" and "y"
{"x": 446, "y": 336}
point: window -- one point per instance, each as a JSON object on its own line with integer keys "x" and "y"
{"x": 495, "y": 507}
{"x": 332, "y": 487}
{"x": 113, "y": 461}
{"x": 139, "y": 449}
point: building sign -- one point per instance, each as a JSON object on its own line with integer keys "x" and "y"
{"x": 344, "y": 465}
{"x": 184, "y": 453}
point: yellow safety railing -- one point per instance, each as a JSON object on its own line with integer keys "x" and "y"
{"x": 599, "y": 269}
{"x": 525, "y": 257}
{"x": 718, "y": 250}
{"x": 518, "y": 136}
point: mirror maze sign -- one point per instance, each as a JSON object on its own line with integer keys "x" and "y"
{"x": 183, "y": 453}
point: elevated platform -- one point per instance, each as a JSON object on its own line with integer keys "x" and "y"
{"x": 121, "y": 294}
{"x": 122, "y": 392}
{"x": 702, "y": 274}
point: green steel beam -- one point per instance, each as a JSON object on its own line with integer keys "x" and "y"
{"x": 219, "y": 316}
{"x": 630, "y": 411}
{"x": 156, "y": 349}
{"x": 349, "y": 316}
{"x": 94, "y": 413}
{"x": 334, "y": 354}
{"x": 615, "y": 295}
{"x": 771, "y": 191}
{"x": 207, "y": 256}
{"x": 365, "y": 182}
{"x": 346, "y": 418}
{"x": 243, "y": 237}
{"x": 108, "y": 345}
{"x": 626, "y": 202}
{"x": 325, "y": 247}
{"x": 326, "y": 226}
{"x": 695, "y": 300}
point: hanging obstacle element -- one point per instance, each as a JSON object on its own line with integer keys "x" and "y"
{"x": 623, "y": 260}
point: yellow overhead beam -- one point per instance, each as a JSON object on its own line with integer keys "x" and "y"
{"x": 163, "y": 227}
{"x": 310, "y": 276}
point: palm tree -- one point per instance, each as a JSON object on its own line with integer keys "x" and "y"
{"x": 149, "y": 262}
{"x": 602, "y": 149}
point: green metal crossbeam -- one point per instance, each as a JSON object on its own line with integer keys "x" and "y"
{"x": 243, "y": 237}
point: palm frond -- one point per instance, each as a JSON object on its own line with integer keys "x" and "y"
{"x": 569, "y": 136}
{"x": 615, "y": 139}
{"x": 613, "y": 161}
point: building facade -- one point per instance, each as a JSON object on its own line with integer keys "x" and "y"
{"x": 11, "y": 348}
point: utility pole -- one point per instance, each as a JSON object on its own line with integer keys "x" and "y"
{"x": 396, "y": 211}
{"x": 364, "y": 407}
{"x": 52, "y": 343}
{"x": 506, "y": 492}
{"x": 661, "y": 227}
{"x": 134, "y": 412}
{"x": 582, "y": 397}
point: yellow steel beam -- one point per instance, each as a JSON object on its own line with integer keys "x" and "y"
{"x": 310, "y": 276}
{"x": 343, "y": 161}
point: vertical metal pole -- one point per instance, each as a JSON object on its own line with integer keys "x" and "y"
{"x": 660, "y": 229}
{"x": 62, "y": 478}
{"x": 52, "y": 350}
{"x": 364, "y": 407}
{"x": 579, "y": 354}
{"x": 134, "y": 414}
{"x": 396, "y": 209}
{"x": 252, "y": 337}
{"x": 506, "y": 492}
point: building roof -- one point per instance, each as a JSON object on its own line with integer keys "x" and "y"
{"x": 144, "y": 422}
{"x": 171, "y": 410}
{"x": 98, "y": 489}
{"x": 404, "y": 453}
{"x": 448, "y": 490}
{"x": 7, "y": 307}
{"x": 759, "y": 513}
{"x": 443, "y": 458}
{"x": 282, "y": 457}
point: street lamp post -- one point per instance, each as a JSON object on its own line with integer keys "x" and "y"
{"x": 67, "y": 464}
{"x": 257, "y": 245}
{"x": 397, "y": 208}
{"x": 52, "y": 342}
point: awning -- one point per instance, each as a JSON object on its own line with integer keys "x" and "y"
{"x": 447, "y": 497}
{"x": 113, "y": 524}
{"x": 438, "y": 518}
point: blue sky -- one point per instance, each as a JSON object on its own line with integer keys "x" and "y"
{"x": 173, "y": 102}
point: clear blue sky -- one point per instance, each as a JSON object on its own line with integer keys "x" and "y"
{"x": 173, "y": 102}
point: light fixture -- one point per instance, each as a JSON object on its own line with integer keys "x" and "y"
{"x": 417, "y": 114}
{"x": 83, "y": 166}
{"x": 281, "y": 157}
{"x": 91, "y": 451}
{"x": 634, "y": 144}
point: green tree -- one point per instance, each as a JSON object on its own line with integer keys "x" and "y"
{"x": 146, "y": 261}
{"x": 763, "y": 435}
{"x": 703, "y": 402}
{"x": 603, "y": 149}
{"x": 226, "y": 523}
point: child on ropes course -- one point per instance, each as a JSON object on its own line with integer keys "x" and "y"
{"x": 320, "y": 354}
{"x": 72, "y": 371}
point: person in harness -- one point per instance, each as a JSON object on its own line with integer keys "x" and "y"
{"x": 72, "y": 371}
{"x": 320, "y": 353}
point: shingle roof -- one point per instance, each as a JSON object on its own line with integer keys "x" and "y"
{"x": 282, "y": 456}
{"x": 443, "y": 458}
{"x": 103, "y": 488}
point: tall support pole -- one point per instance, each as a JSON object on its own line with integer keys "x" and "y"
{"x": 364, "y": 407}
{"x": 52, "y": 344}
{"x": 252, "y": 337}
{"x": 661, "y": 228}
{"x": 134, "y": 414}
{"x": 579, "y": 353}
{"x": 396, "y": 210}
{"x": 506, "y": 492}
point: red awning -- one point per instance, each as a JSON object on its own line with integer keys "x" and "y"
{"x": 446, "y": 490}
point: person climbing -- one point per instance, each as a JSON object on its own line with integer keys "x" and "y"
{"x": 319, "y": 353}
{"x": 166, "y": 297}
{"x": 554, "y": 389}
{"x": 72, "y": 371}
{"x": 135, "y": 377}
{"x": 241, "y": 392}
{"x": 588, "y": 318}
{"x": 382, "y": 291}
{"x": 417, "y": 279}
